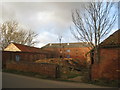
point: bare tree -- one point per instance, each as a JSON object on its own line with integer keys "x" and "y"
{"x": 94, "y": 23}
{"x": 10, "y": 31}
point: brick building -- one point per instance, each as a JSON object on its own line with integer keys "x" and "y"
{"x": 18, "y": 52}
{"x": 108, "y": 67}
{"x": 22, "y": 48}
{"x": 69, "y": 50}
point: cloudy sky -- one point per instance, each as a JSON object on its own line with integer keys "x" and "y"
{"x": 49, "y": 19}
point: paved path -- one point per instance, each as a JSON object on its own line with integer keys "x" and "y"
{"x": 18, "y": 81}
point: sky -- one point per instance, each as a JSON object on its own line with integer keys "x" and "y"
{"x": 49, "y": 19}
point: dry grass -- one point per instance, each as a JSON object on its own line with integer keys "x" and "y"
{"x": 69, "y": 62}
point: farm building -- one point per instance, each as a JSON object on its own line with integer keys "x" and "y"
{"x": 108, "y": 67}
{"x": 69, "y": 50}
{"x": 18, "y": 52}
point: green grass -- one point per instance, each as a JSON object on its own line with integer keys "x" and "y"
{"x": 69, "y": 74}
{"x": 100, "y": 82}
{"x": 103, "y": 82}
{"x": 35, "y": 75}
{"x": 31, "y": 74}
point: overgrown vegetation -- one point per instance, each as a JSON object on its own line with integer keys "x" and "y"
{"x": 67, "y": 65}
{"x": 66, "y": 73}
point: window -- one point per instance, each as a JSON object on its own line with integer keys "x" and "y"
{"x": 68, "y": 56}
{"x": 17, "y": 58}
{"x": 68, "y": 50}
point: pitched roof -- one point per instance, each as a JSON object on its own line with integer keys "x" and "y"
{"x": 25, "y": 48}
{"x": 66, "y": 45}
{"x": 112, "y": 40}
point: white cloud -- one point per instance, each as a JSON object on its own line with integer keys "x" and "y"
{"x": 48, "y": 19}
{"x": 45, "y": 17}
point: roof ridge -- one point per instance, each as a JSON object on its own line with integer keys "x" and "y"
{"x": 111, "y": 39}
{"x": 69, "y": 43}
{"x": 26, "y": 45}
{"x": 76, "y": 44}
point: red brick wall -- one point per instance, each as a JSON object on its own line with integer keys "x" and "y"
{"x": 24, "y": 56}
{"x": 108, "y": 66}
{"x": 78, "y": 53}
{"x": 54, "y": 52}
{"x": 44, "y": 69}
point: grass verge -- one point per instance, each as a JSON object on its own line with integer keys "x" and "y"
{"x": 100, "y": 82}
{"x": 31, "y": 74}
{"x": 35, "y": 75}
{"x": 103, "y": 82}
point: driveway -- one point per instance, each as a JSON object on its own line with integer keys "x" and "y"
{"x": 19, "y": 81}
